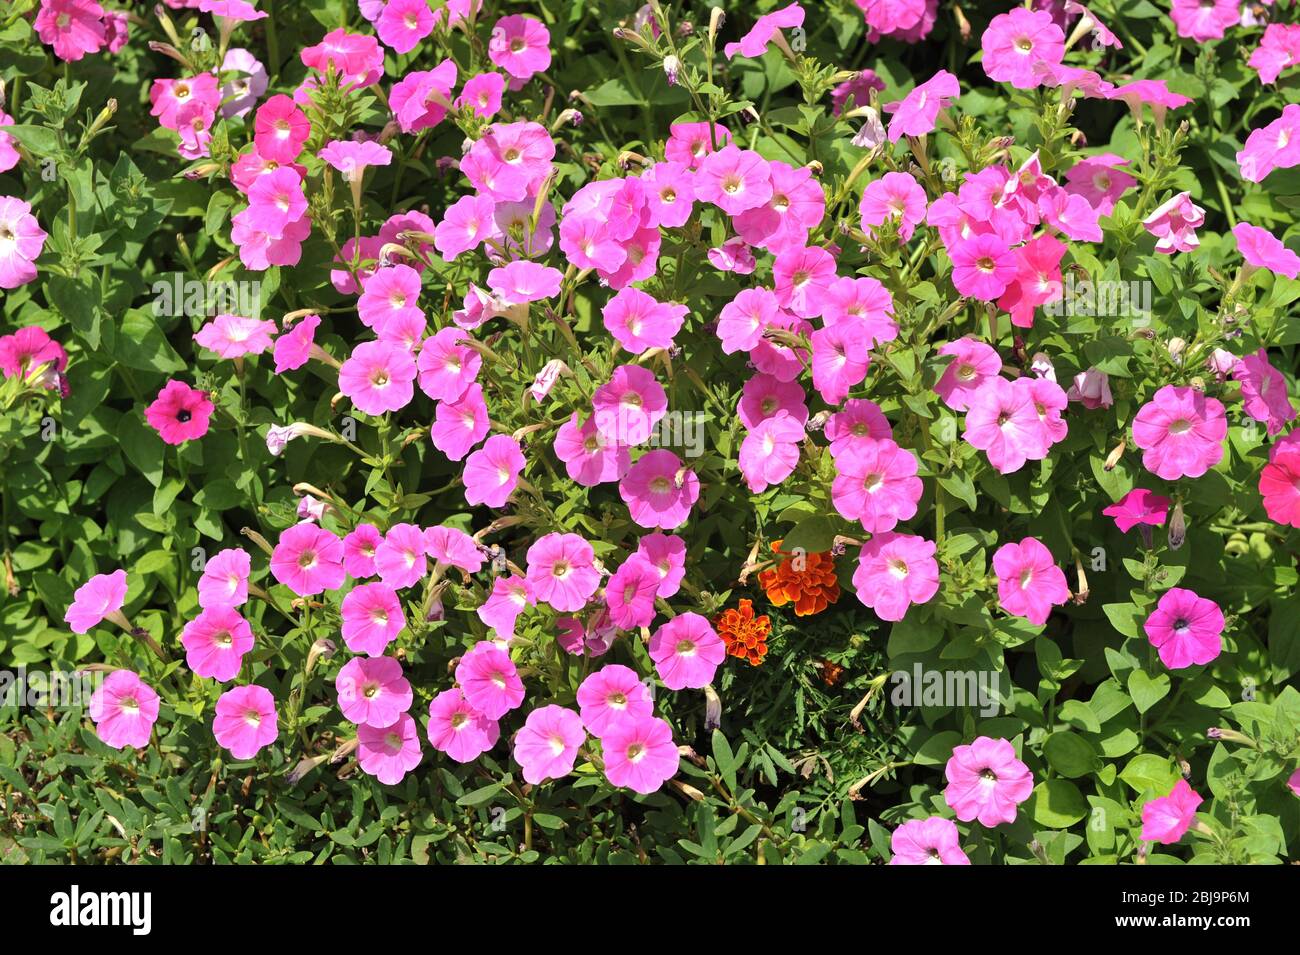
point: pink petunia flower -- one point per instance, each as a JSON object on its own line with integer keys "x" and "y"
{"x": 589, "y": 457}
{"x": 491, "y": 473}
{"x": 932, "y": 841}
{"x": 687, "y": 651}
{"x": 876, "y": 484}
{"x": 180, "y": 413}
{"x": 401, "y": 558}
{"x": 1263, "y": 391}
{"x": 1279, "y": 486}
{"x": 1139, "y": 507}
{"x": 1202, "y": 20}
{"x": 1262, "y": 250}
{"x": 986, "y": 782}
{"x": 1091, "y": 388}
{"x": 233, "y": 336}
{"x": 215, "y": 643}
{"x": 280, "y": 130}
{"x": 21, "y": 242}
{"x": 734, "y": 255}
{"x": 124, "y": 709}
{"x": 764, "y": 396}
{"x": 689, "y": 143}
{"x": 403, "y": 24}
{"x": 224, "y": 582}
{"x": 629, "y": 405}
{"x": 388, "y": 753}
{"x": 640, "y": 754}
{"x": 98, "y": 599}
{"x": 547, "y": 745}
{"x": 982, "y": 267}
{"x": 659, "y": 490}
{"x": 372, "y": 618}
{"x": 457, "y": 729}
{"x": 894, "y": 196}
{"x": 1180, "y": 432}
{"x": 1029, "y": 582}
{"x": 489, "y": 680}
{"x": 666, "y": 553}
{"x": 1174, "y": 224}
{"x": 917, "y": 112}
{"x": 1185, "y": 628}
{"x": 420, "y": 99}
{"x": 561, "y": 571}
{"x": 801, "y": 277}
{"x": 373, "y": 691}
{"x": 840, "y": 358}
{"x": 246, "y": 721}
{"x": 308, "y": 560}
{"x": 1100, "y": 180}
{"x": 1278, "y": 50}
{"x": 378, "y": 376}
{"x": 461, "y": 424}
{"x": 770, "y": 452}
{"x": 482, "y": 94}
{"x": 1014, "y": 42}
{"x": 521, "y": 46}
{"x": 246, "y": 84}
{"x": 639, "y": 322}
{"x": 895, "y": 571}
{"x": 73, "y": 27}
{"x": 734, "y": 180}
{"x": 1037, "y": 281}
{"x": 860, "y": 421}
{"x": 1004, "y": 422}
{"x": 522, "y": 281}
{"x": 508, "y": 599}
{"x": 450, "y": 547}
{"x": 754, "y": 43}
{"x": 1166, "y": 818}
{"x": 1275, "y": 146}
{"x": 973, "y": 364}
{"x": 359, "y": 549}
{"x": 353, "y": 158}
{"x": 613, "y": 697}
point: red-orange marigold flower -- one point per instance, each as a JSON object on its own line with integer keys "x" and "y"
{"x": 744, "y": 634}
{"x": 806, "y": 580}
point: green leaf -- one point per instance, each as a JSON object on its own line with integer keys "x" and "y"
{"x": 1146, "y": 690}
{"x": 1070, "y": 754}
{"x": 1057, "y": 804}
{"x": 1147, "y": 771}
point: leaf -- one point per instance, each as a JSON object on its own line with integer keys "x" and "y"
{"x": 813, "y": 534}
{"x": 725, "y": 759}
{"x": 1057, "y": 804}
{"x": 1123, "y": 617}
{"x": 1147, "y": 771}
{"x": 1146, "y": 690}
{"x": 1070, "y": 754}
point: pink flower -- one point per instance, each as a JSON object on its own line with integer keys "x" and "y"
{"x": 932, "y": 841}
{"x": 1015, "y": 41}
{"x": 764, "y": 396}
{"x": 898, "y": 196}
{"x": 630, "y": 594}
{"x": 523, "y": 281}
{"x": 561, "y": 571}
{"x": 352, "y": 158}
{"x": 876, "y": 484}
{"x": 509, "y": 597}
{"x": 797, "y": 206}
{"x": 465, "y": 225}
{"x": 275, "y": 200}
{"x": 973, "y": 364}
{"x": 372, "y": 618}
{"x": 858, "y": 89}
{"x": 31, "y": 354}
{"x": 215, "y": 643}
{"x": 22, "y": 243}
{"x": 917, "y": 113}
{"x": 388, "y": 294}
{"x": 1203, "y": 20}
{"x": 629, "y": 405}
{"x": 1155, "y": 93}
{"x": 124, "y": 709}
{"x": 639, "y": 322}
{"x": 357, "y": 59}
{"x": 238, "y": 10}
{"x": 670, "y": 195}
{"x": 1174, "y": 224}
{"x": 659, "y": 490}
{"x": 521, "y": 46}
{"x": 1275, "y": 146}
{"x": 1294, "y": 782}
{"x": 548, "y": 744}
{"x": 308, "y": 560}
{"x": 1277, "y": 51}
{"x": 389, "y": 753}
{"x": 1029, "y": 582}
{"x": 453, "y": 548}
{"x": 179, "y": 413}
{"x": 895, "y": 571}
{"x": 1138, "y": 506}
{"x": 1166, "y": 818}
{"x": 296, "y": 345}
{"x": 280, "y": 130}
{"x": 1092, "y": 388}
{"x": 378, "y": 377}
{"x": 1004, "y": 422}
{"x": 839, "y": 359}
{"x": 1279, "y": 485}
{"x": 232, "y": 336}
{"x": 734, "y": 180}
{"x": 489, "y": 680}
{"x": 447, "y": 368}
{"x": 666, "y": 553}
{"x": 613, "y": 697}
{"x": 73, "y": 27}
{"x": 689, "y": 143}
{"x": 801, "y": 277}
{"x": 457, "y": 729}
{"x": 770, "y": 451}
{"x": 1185, "y": 628}
{"x": 754, "y": 43}
{"x": 8, "y": 152}
{"x": 687, "y": 652}
{"x": 491, "y": 473}
{"x": 589, "y": 457}
{"x": 420, "y": 99}
{"x": 982, "y": 267}
{"x": 1037, "y": 281}
{"x": 99, "y": 598}
{"x": 1099, "y": 180}
{"x": 734, "y": 255}
{"x": 986, "y": 782}
{"x": 482, "y": 93}
{"x": 400, "y": 556}
{"x": 859, "y": 422}
{"x": 1263, "y": 391}
{"x": 404, "y": 23}
{"x": 459, "y": 425}
{"x": 225, "y": 579}
{"x": 640, "y": 754}
{"x": 373, "y": 691}
{"x": 359, "y": 549}
{"x": 246, "y": 721}
{"x": 1261, "y": 249}
{"x": 248, "y": 84}
{"x": 1181, "y": 432}
{"x": 742, "y": 320}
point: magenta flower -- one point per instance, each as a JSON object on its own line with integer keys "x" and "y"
{"x": 521, "y": 46}
{"x": 73, "y": 27}
{"x": 895, "y": 571}
{"x": 1003, "y": 421}
{"x": 630, "y": 593}
{"x": 754, "y": 43}
{"x": 561, "y": 571}
{"x": 482, "y": 94}
{"x": 640, "y": 754}
{"x": 1261, "y": 249}
{"x": 1092, "y": 389}
{"x": 308, "y": 560}
{"x": 388, "y": 294}
{"x": 1037, "y": 281}
{"x": 489, "y": 680}
{"x": 895, "y": 196}
{"x": 403, "y": 24}
{"x": 876, "y": 484}
{"x": 659, "y": 490}
{"x": 1185, "y": 628}
{"x": 639, "y": 322}
{"x": 1279, "y": 486}
{"x": 839, "y": 359}
{"x": 372, "y": 618}
{"x": 491, "y": 473}
{"x": 613, "y": 697}
{"x": 98, "y": 599}
{"x": 742, "y": 320}
{"x": 589, "y": 457}
{"x": 225, "y": 579}
{"x": 296, "y": 345}
{"x": 1180, "y": 432}
{"x": 1275, "y": 146}
{"x": 734, "y": 180}
{"x": 932, "y": 841}
{"x": 1263, "y": 391}
{"x": 124, "y": 709}
{"x": 359, "y": 549}
{"x": 378, "y": 377}
{"x": 918, "y": 111}
{"x": 372, "y": 691}
{"x": 509, "y": 597}
{"x": 21, "y": 242}
{"x": 1278, "y": 50}
{"x": 687, "y": 652}
{"x": 400, "y": 558}
{"x": 1139, "y": 506}
{"x": 453, "y": 548}
{"x": 457, "y": 729}
{"x": 986, "y": 782}
{"x": 31, "y": 354}
{"x": 215, "y": 643}
{"x": 388, "y": 753}
{"x": 179, "y": 413}
{"x": 770, "y": 452}
{"x": 670, "y": 194}
{"x": 1100, "y": 180}
{"x": 667, "y": 554}
{"x": 464, "y": 226}
{"x": 982, "y": 267}
{"x": 973, "y": 364}
{"x": 548, "y": 744}
{"x": 629, "y": 405}
{"x": 1166, "y": 818}
{"x": 446, "y": 367}
{"x": 1029, "y": 582}
{"x": 801, "y": 277}
{"x": 1202, "y": 20}
{"x": 459, "y": 425}
{"x": 859, "y": 422}
{"x": 689, "y": 143}
{"x": 241, "y": 91}
{"x": 421, "y": 98}
{"x": 280, "y": 130}
{"x": 764, "y": 396}
{"x": 734, "y": 255}
{"x": 1174, "y": 224}
{"x": 246, "y": 721}
{"x": 1014, "y": 42}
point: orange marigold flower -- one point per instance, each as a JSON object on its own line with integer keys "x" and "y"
{"x": 806, "y": 580}
{"x": 831, "y": 672}
{"x": 744, "y": 634}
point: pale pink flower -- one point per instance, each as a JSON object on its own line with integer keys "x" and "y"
{"x": 373, "y": 691}
{"x": 491, "y": 473}
{"x": 98, "y": 598}
{"x": 561, "y": 571}
{"x": 876, "y": 483}
{"x": 613, "y": 697}
{"x": 547, "y": 746}
{"x": 986, "y": 782}
{"x": 246, "y": 721}
{"x": 1180, "y": 432}
{"x": 457, "y": 729}
{"x": 488, "y": 678}
{"x": 659, "y": 490}
{"x": 215, "y": 643}
{"x": 895, "y": 571}
{"x": 640, "y": 754}
{"x": 1029, "y": 582}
